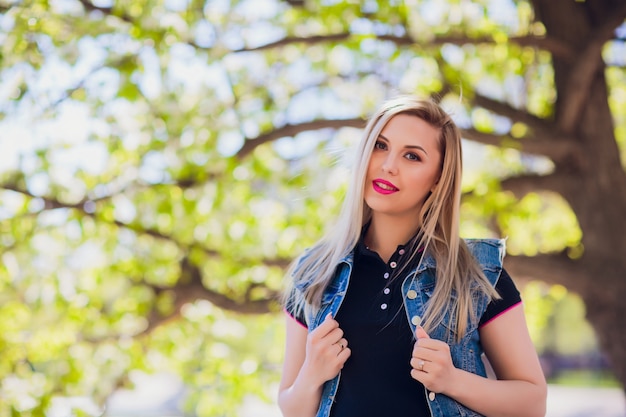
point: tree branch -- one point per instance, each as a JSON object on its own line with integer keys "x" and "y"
{"x": 81, "y": 83}
{"x": 558, "y": 148}
{"x": 525, "y": 184}
{"x": 588, "y": 63}
{"x": 290, "y": 40}
{"x": 49, "y": 203}
{"x": 546, "y": 43}
{"x": 190, "y": 288}
{"x": 535, "y": 123}
{"x": 278, "y": 262}
{"x": 90, "y": 7}
{"x": 292, "y": 130}
{"x": 550, "y": 268}
{"x": 52, "y": 203}
{"x": 554, "y": 46}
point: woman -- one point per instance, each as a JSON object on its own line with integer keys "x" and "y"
{"x": 390, "y": 312}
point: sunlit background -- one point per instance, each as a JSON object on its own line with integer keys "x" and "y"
{"x": 162, "y": 161}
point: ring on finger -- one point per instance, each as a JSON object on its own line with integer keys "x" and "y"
{"x": 420, "y": 365}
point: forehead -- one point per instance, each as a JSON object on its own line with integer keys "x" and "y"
{"x": 406, "y": 129}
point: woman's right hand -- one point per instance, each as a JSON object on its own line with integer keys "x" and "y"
{"x": 311, "y": 359}
{"x": 326, "y": 351}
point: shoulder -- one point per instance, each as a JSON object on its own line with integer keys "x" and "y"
{"x": 306, "y": 268}
{"x": 489, "y": 253}
{"x": 506, "y": 287}
{"x": 299, "y": 267}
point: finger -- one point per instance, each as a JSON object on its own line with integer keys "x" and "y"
{"x": 342, "y": 343}
{"x": 329, "y": 321}
{"x": 419, "y": 375}
{"x": 420, "y": 333}
{"x": 344, "y": 354}
{"x": 431, "y": 344}
{"x": 427, "y": 353}
{"x": 336, "y": 338}
{"x": 418, "y": 364}
{"x": 327, "y": 326}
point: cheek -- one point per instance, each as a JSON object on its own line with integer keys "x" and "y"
{"x": 372, "y": 167}
{"x": 373, "y": 160}
{"x": 434, "y": 176}
{"x": 426, "y": 184}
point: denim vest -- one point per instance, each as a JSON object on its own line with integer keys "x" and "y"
{"x": 417, "y": 288}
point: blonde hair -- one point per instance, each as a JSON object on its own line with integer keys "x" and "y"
{"x": 457, "y": 270}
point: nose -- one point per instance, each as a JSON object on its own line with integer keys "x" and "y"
{"x": 389, "y": 165}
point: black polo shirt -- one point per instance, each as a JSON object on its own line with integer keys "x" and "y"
{"x": 376, "y": 381}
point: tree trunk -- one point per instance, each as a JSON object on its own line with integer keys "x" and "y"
{"x": 594, "y": 183}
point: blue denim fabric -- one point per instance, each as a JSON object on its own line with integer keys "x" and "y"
{"x": 417, "y": 289}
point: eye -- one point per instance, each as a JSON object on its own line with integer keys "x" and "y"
{"x": 412, "y": 156}
{"x": 380, "y": 145}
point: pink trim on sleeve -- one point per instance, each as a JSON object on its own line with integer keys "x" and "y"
{"x": 499, "y": 314}
{"x": 295, "y": 319}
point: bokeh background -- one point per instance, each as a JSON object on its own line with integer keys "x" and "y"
{"x": 162, "y": 162}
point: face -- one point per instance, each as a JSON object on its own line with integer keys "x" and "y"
{"x": 404, "y": 168}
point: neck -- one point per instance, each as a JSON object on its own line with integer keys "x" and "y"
{"x": 386, "y": 233}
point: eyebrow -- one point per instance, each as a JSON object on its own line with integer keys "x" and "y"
{"x": 408, "y": 146}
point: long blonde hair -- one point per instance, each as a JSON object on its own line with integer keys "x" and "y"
{"x": 457, "y": 271}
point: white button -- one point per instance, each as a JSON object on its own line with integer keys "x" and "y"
{"x": 411, "y": 295}
{"x": 416, "y": 320}
{"x": 401, "y": 251}
{"x": 383, "y": 306}
{"x": 386, "y": 275}
{"x": 431, "y": 396}
{"x": 386, "y": 290}
{"x": 393, "y": 264}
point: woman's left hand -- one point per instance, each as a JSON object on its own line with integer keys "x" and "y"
{"x": 431, "y": 362}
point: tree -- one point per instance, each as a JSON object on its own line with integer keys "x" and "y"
{"x": 164, "y": 161}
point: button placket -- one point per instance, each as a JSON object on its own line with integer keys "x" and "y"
{"x": 393, "y": 264}
{"x": 386, "y": 291}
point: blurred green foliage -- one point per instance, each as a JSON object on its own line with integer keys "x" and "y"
{"x": 160, "y": 167}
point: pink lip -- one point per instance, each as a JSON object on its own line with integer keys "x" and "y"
{"x": 377, "y": 186}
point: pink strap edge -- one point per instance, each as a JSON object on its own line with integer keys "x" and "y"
{"x": 296, "y": 320}
{"x": 499, "y": 314}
